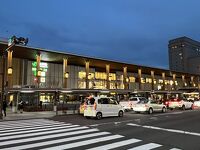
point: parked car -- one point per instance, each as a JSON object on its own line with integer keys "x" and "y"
{"x": 129, "y": 104}
{"x": 180, "y": 103}
{"x": 149, "y": 106}
{"x": 166, "y": 102}
{"x": 99, "y": 107}
{"x": 196, "y": 104}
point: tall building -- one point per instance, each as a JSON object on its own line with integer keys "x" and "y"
{"x": 184, "y": 55}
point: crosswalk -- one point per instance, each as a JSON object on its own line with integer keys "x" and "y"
{"x": 53, "y": 135}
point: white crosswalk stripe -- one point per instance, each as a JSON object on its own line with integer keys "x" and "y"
{"x": 31, "y": 131}
{"x": 40, "y": 133}
{"x": 6, "y": 127}
{"x": 31, "y": 128}
{"x": 146, "y": 146}
{"x": 47, "y": 134}
{"x": 115, "y": 145}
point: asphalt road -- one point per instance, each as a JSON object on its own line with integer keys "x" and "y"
{"x": 174, "y": 129}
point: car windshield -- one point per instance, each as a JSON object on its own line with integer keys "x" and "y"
{"x": 143, "y": 101}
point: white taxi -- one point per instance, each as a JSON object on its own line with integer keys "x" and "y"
{"x": 129, "y": 104}
{"x": 149, "y": 106}
{"x": 99, "y": 107}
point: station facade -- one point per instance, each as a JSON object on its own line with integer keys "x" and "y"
{"x": 47, "y": 70}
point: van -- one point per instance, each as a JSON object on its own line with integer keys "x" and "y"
{"x": 98, "y": 107}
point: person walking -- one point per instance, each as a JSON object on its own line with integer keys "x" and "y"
{"x": 20, "y": 106}
{"x": 11, "y": 104}
{"x": 4, "y": 107}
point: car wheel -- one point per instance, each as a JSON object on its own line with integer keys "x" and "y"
{"x": 163, "y": 109}
{"x": 183, "y": 107}
{"x": 150, "y": 110}
{"x": 120, "y": 114}
{"x": 99, "y": 115}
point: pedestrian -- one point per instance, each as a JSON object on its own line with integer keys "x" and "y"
{"x": 4, "y": 107}
{"x": 20, "y": 106}
{"x": 11, "y": 104}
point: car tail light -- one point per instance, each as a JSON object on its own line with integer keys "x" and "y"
{"x": 95, "y": 106}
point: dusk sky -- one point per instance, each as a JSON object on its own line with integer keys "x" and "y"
{"x": 132, "y": 31}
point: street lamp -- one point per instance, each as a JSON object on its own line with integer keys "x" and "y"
{"x": 11, "y": 42}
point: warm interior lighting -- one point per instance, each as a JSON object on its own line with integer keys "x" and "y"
{"x": 66, "y": 75}
{"x": 10, "y": 70}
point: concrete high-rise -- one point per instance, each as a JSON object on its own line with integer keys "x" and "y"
{"x": 184, "y": 55}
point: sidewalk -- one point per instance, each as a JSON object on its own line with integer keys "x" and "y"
{"x": 33, "y": 115}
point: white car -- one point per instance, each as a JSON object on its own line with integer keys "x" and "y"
{"x": 99, "y": 107}
{"x": 129, "y": 104}
{"x": 149, "y": 106}
{"x": 196, "y": 104}
{"x": 180, "y": 103}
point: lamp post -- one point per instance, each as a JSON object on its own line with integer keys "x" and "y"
{"x": 11, "y": 42}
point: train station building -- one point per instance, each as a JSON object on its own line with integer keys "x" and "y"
{"x": 35, "y": 75}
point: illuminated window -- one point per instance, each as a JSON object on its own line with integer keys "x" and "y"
{"x": 171, "y": 82}
{"x": 166, "y": 82}
{"x": 132, "y": 79}
{"x": 82, "y": 75}
{"x": 11, "y": 97}
{"x": 100, "y": 75}
{"x": 81, "y": 84}
{"x": 148, "y": 80}
{"x": 112, "y": 76}
{"x": 160, "y": 81}
{"x": 91, "y": 76}
{"x": 143, "y": 80}
{"x": 155, "y": 81}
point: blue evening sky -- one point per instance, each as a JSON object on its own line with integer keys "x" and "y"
{"x": 133, "y": 31}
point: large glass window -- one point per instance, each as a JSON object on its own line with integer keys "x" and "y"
{"x": 82, "y": 75}
{"x": 100, "y": 75}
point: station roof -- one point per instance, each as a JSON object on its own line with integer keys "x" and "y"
{"x": 25, "y": 52}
